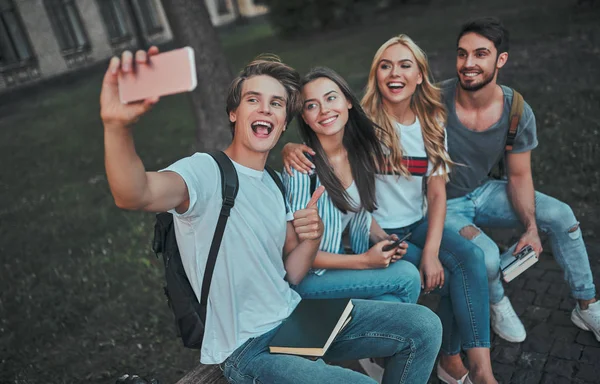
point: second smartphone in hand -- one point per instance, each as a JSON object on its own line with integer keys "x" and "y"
{"x": 396, "y": 243}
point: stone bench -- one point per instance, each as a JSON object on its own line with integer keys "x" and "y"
{"x": 205, "y": 374}
{"x": 211, "y": 374}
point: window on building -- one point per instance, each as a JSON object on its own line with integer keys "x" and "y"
{"x": 115, "y": 20}
{"x": 147, "y": 13}
{"x": 222, "y": 7}
{"x": 14, "y": 45}
{"x": 67, "y": 25}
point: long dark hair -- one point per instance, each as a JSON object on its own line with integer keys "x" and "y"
{"x": 361, "y": 141}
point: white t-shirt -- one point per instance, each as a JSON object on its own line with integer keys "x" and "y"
{"x": 352, "y": 192}
{"x": 248, "y": 294}
{"x": 400, "y": 200}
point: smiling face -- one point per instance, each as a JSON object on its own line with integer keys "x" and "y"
{"x": 397, "y": 75}
{"x": 325, "y": 107}
{"x": 260, "y": 117}
{"x": 477, "y": 61}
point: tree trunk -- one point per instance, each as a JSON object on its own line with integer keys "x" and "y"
{"x": 237, "y": 14}
{"x": 191, "y": 26}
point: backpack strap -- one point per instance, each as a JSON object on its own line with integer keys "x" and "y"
{"x": 277, "y": 181}
{"x": 229, "y": 189}
{"x": 516, "y": 111}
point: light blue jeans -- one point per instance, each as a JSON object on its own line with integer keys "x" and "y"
{"x": 489, "y": 206}
{"x": 399, "y": 282}
{"x": 463, "y": 307}
{"x": 407, "y": 336}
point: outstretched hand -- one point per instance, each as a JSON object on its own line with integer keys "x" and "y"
{"x": 112, "y": 111}
{"x": 307, "y": 222}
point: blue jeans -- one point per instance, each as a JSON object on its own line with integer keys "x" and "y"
{"x": 400, "y": 282}
{"x": 463, "y": 308}
{"x": 489, "y": 206}
{"x": 407, "y": 336}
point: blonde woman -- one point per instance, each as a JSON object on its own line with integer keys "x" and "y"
{"x": 401, "y": 98}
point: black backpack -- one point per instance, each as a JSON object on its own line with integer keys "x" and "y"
{"x": 190, "y": 315}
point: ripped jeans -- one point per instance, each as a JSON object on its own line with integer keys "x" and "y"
{"x": 489, "y": 206}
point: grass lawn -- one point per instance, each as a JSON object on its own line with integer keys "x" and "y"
{"x": 80, "y": 290}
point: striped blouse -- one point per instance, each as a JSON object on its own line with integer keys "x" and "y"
{"x": 297, "y": 191}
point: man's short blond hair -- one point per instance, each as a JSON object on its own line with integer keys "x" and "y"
{"x": 268, "y": 65}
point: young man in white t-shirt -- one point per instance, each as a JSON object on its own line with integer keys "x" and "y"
{"x": 262, "y": 251}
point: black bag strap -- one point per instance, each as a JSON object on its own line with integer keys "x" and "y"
{"x": 229, "y": 189}
{"x": 277, "y": 181}
{"x": 516, "y": 110}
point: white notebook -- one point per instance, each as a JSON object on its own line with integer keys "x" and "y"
{"x": 513, "y": 265}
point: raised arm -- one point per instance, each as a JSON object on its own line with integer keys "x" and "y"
{"x": 522, "y": 197}
{"x": 293, "y": 156}
{"x": 131, "y": 186}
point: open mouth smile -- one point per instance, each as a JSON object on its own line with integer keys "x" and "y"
{"x": 329, "y": 120}
{"x": 395, "y": 85}
{"x": 262, "y": 128}
{"x": 470, "y": 73}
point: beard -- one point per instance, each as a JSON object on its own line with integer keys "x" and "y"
{"x": 477, "y": 86}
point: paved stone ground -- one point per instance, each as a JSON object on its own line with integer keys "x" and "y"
{"x": 555, "y": 350}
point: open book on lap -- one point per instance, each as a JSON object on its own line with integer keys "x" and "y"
{"x": 312, "y": 327}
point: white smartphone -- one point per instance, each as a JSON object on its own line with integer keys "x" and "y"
{"x": 167, "y": 73}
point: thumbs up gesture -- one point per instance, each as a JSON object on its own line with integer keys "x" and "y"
{"x": 307, "y": 222}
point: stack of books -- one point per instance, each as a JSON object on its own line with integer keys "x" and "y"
{"x": 513, "y": 265}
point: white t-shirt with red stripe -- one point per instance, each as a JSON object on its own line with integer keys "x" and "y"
{"x": 400, "y": 200}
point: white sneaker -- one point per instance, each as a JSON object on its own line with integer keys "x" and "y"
{"x": 588, "y": 319}
{"x": 373, "y": 370}
{"x": 505, "y": 321}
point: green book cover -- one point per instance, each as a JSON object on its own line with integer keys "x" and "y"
{"x": 311, "y": 327}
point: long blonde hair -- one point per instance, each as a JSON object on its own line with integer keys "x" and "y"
{"x": 426, "y": 103}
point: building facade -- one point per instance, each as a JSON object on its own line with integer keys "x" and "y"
{"x": 45, "y": 38}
